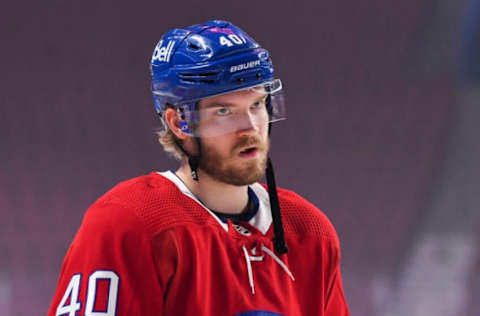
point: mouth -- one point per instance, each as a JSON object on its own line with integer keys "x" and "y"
{"x": 249, "y": 152}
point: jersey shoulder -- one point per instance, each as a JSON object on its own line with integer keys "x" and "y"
{"x": 302, "y": 217}
{"x": 156, "y": 201}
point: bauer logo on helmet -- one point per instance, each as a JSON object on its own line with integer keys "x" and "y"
{"x": 244, "y": 66}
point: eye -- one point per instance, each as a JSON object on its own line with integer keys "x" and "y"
{"x": 258, "y": 104}
{"x": 222, "y": 111}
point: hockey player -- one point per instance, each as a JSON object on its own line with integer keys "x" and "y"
{"x": 207, "y": 239}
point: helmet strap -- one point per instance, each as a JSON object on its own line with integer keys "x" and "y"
{"x": 279, "y": 239}
{"x": 270, "y": 111}
{"x": 193, "y": 160}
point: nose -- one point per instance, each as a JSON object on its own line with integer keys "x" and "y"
{"x": 246, "y": 123}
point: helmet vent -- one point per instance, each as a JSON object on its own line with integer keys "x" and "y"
{"x": 193, "y": 46}
{"x": 205, "y": 77}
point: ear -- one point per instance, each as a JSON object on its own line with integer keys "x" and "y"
{"x": 173, "y": 121}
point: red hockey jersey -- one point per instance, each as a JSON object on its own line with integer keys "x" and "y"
{"x": 150, "y": 247}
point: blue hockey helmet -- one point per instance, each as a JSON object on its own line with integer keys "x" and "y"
{"x": 206, "y": 60}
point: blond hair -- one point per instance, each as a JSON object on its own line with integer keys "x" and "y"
{"x": 167, "y": 139}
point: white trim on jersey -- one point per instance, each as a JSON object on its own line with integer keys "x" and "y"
{"x": 261, "y": 220}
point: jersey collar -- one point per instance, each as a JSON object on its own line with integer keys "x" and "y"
{"x": 261, "y": 219}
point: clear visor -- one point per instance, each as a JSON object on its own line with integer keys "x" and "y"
{"x": 250, "y": 108}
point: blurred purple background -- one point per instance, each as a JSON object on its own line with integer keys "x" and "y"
{"x": 382, "y": 101}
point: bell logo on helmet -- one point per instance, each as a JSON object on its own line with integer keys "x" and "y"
{"x": 163, "y": 53}
{"x": 244, "y": 66}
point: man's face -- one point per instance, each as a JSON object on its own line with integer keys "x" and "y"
{"x": 238, "y": 154}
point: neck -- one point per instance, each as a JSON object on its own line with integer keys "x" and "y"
{"x": 217, "y": 196}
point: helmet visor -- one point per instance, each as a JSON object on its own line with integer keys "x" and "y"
{"x": 243, "y": 109}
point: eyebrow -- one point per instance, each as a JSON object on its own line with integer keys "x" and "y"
{"x": 230, "y": 104}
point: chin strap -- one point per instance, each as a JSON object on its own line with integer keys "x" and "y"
{"x": 193, "y": 161}
{"x": 279, "y": 239}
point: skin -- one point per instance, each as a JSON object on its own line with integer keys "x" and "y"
{"x": 227, "y": 168}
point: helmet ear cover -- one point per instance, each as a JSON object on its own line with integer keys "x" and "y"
{"x": 173, "y": 120}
